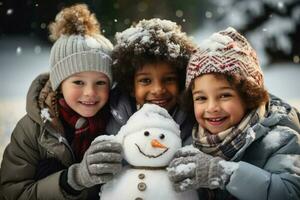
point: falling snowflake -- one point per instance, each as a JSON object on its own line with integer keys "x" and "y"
{"x": 19, "y": 50}
{"x": 9, "y": 11}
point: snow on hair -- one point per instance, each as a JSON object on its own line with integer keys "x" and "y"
{"x": 76, "y": 19}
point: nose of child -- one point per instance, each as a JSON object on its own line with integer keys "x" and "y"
{"x": 158, "y": 88}
{"x": 89, "y": 91}
{"x": 212, "y": 106}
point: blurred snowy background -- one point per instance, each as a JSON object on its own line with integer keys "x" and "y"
{"x": 272, "y": 26}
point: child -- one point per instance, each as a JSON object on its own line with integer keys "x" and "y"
{"x": 50, "y": 154}
{"x": 149, "y": 62}
{"x": 249, "y": 144}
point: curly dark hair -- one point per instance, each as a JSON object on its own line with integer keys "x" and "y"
{"x": 150, "y": 42}
{"x": 251, "y": 94}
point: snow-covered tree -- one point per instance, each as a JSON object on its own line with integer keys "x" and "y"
{"x": 272, "y": 26}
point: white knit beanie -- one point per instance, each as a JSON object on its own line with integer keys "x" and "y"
{"x": 79, "y": 45}
{"x": 149, "y": 116}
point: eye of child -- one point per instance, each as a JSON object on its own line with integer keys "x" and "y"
{"x": 101, "y": 82}
{"x": 144, "y": 81}
{"x": 199, "y": 98}
{"x": 78, "y": 82}
{"x": 225, "y": 95}
{"x": 170, "y": 79}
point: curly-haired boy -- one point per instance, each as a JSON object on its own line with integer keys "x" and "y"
{"x": 149, "y": 64}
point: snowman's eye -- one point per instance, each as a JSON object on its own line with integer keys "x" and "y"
{"x": 146, "y": 133}
{"x": 162, "y": 136}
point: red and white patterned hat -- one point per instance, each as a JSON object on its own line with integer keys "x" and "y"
{"x": 226, "y": 52}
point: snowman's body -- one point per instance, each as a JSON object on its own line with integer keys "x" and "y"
{"x": 146, "y": 184}
{"x": 149, "y": 139}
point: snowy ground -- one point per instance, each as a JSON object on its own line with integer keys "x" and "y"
{"x": 24, "y": 59}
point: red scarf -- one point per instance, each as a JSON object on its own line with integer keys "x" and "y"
{"x": 86, "y": 129}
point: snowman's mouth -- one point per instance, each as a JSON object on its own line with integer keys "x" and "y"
{"x": 151, "y": 156}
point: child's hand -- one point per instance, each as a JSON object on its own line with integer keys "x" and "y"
{"x": 100, "y": 163}
{"x": 194, "y": 169}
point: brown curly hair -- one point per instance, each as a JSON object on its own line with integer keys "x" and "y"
{"x": 251, "y": 94}
{"x": 149, "y": 42}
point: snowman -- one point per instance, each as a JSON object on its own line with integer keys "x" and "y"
{"x": 149, "y": 139}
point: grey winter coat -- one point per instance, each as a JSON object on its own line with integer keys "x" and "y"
{"x": 123, "y": 106}
{"x": 36, "y": 145}
{"x": 269, "y": 162}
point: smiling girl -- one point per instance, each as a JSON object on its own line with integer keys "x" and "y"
{"x": 247, "y": 141}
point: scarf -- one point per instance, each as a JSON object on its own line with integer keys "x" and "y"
{"x": 226, "y": 143}
{"x": 86, "y": 129}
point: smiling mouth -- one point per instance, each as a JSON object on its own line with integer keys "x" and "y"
{"x": 216, "y": 121}
{"x": 151, "y": 156}
{"x": 88, "y": 103}
{"x": 160, "y": 102}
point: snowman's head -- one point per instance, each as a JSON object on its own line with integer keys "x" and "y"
{"x": 150, "y": 137}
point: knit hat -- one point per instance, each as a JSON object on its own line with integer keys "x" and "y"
{"x": 226, "y": 52}
{"x": 149, "y": 116}
{"x": 79, "y": 45}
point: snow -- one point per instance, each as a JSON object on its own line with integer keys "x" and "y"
{"x": 276, "y": 137}
{"x": 45, "y": 115}
{"x": 147, "y": 177}
{"x": 183, "y": 168}
{"x": 185, "y": 184}
{"x": 241, "y": 14}
{"x": 280, "y": 35}
{"x": 153, "y": 115}
{"x": 146, "y": 33}
{"x": 216, "y": 41}
{"x": 105, "y": 138}
{"x": 278, "y": 3}
{"x": 291, "y": 162}
{"x": 282, "y": 80}
{"x": 11, "y": 111}
{"x": 188, "y": 150}
{"x": 228, "y": 167}
{"x": 20, "y": 64}
{"x": 158, "y": 186}
{"x": 92, "y": 42}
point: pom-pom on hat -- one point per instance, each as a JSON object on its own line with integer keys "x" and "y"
{"x": 226, "y": 52}
{"x": 149, "y": 116}
{"x": 79, "y": 45}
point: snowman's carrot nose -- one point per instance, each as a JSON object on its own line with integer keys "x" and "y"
{"x": 157, "y": 144}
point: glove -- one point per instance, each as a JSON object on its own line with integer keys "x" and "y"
{"x": 193, "y": 169}
{"x": 100, "y": 163}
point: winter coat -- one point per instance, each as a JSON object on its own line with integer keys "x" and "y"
{"x": 123, "y": 106}
{"x": 269, "y": 162}
{"x": 37, "y": 155}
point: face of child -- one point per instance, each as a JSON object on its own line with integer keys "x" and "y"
{"x": 156, "y": 83}
{"x": 217, "y": 105}
{"x": 86, "y": 92}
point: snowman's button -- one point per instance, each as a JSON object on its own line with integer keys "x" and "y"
{"x": 142, "y": 186}
{"x": 141, "y": 176}
{"x": 138, "y": 198}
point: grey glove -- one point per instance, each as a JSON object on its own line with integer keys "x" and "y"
{"x": 100, "y": 163}
{"x": 193, "y": 169}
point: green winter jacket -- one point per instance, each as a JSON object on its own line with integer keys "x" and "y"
{"x": 33, "y": 142}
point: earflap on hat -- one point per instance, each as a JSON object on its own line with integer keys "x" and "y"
{"x": 226, "y": 52}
